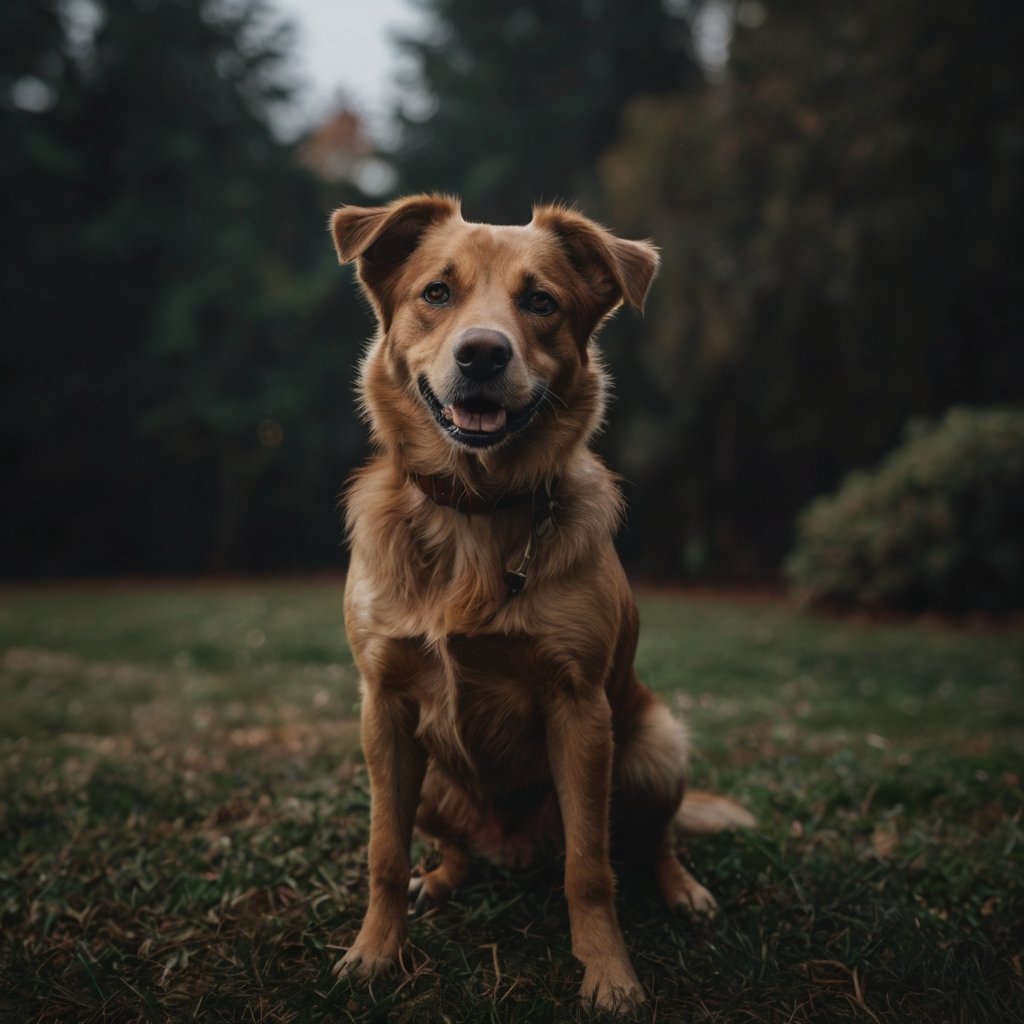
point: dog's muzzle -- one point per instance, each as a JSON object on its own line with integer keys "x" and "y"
{"x": 477, "y": 421}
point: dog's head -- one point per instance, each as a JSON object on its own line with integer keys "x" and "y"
{"x": 483, "y": 361}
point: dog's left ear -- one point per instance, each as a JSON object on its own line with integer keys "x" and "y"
{"x": 616, "y": 269}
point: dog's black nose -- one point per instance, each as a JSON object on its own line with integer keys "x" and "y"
{"x": 482, "y": 354}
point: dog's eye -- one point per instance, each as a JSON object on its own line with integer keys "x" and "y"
{"x": 540, "y": 303}
{"x": 436, "y": 293}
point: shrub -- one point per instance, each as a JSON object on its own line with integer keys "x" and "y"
{"x": 939, "y": 524}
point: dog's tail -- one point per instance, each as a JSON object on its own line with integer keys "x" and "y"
{"x": 703, "y": 814}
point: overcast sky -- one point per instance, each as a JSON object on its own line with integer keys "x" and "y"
{"x": 343, "y": 46}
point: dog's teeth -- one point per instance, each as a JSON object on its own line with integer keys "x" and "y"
{"x": 448, "y": 413}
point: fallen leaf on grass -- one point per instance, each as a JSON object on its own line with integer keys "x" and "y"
{"x": 884, "y": 841}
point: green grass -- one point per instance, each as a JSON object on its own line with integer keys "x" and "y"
{"x": 183, "y": 821}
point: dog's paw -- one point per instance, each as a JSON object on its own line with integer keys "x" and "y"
{"x": 682, "y": 892}
{"x": 366, "y": 959}
{"x": 695, "y": 902}
{"x": 427, "y": 892}
{"x": 613, "y": 987}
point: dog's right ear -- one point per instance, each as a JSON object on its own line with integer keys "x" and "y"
{"x": 382, "y": 238}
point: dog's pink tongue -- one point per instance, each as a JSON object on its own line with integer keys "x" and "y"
{"x": 481, "y": 422}
{"x": 492, "y": 421}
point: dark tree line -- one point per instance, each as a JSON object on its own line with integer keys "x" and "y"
{"x": 839, "y": 212}
{"x": 841, "y": 221}
{"x": 177, "y": 349}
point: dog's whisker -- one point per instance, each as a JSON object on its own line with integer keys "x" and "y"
{"x": 550, "y": 396}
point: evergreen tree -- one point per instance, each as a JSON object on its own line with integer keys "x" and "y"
{"x": 842, "y": 252}
{"x": 166, "y": 288}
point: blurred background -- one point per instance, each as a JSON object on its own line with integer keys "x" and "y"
{"x": 836, "y": 189}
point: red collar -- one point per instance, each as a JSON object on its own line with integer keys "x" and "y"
{"x": 451, "y": 492}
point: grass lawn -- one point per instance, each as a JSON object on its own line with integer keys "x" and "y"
{"x": 183, "y": 821}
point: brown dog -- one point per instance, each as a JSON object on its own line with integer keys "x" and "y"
{"x": 486, "y": 608}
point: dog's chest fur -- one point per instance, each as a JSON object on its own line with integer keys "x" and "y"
{"x": 479, "y": 707}
{"x": 430, "y": 618}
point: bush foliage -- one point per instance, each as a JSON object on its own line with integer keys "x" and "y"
{"x": 936, "y": 526}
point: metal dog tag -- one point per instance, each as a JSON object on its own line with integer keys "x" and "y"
{"x": 515, "y": 581}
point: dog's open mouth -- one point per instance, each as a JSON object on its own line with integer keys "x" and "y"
{"x": 479, "y": 422}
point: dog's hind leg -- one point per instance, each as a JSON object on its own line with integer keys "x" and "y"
{"x": 434, "y": 887}
{"x": 650, "y": 778}
{"x": 446, "y": 817}
{"x": 681, "y": 891}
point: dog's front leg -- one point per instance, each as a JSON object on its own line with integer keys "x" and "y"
{"x": 395, "y": 761}
{"x": 579, "y": 743}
